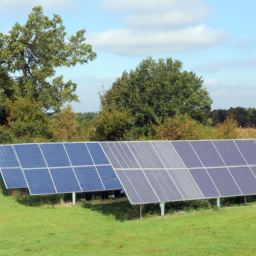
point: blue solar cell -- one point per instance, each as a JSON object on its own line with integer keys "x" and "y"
{"x": 185, "y": 183}
{"x": 125, "y": 150}
{"x": 207, "y": 153}
{"x": 78, "y": 154}
{"x": 142, "y": 186}
{"x": 8, "y": 157}
{"x": 244, "y": 179}
{"x": 248, "y": 150}
{"x": 168, "y": 154}
{"x": 108, "y": 177}
{"x": 55, "y": 154}
{"x": 97, "y": 153}
{"x": 229, "y": 152}
{"x": 110, "y": 155}
{"x": 14, "y": 178}
{"x": 163, "y": 185}
{"x": 39, "y": 181}
{"x": 204, "y": 182}
{"x": 145, "y": 154}
{"x": 118, "y": 156}
{"x": 30, "y": 156}
{"x": 133, "y": 196}
{"x": 65, "y": 180}
{"x": 224, "y": 181}
{"x": 187, "y": 154}
{"x": 88, "y": 178}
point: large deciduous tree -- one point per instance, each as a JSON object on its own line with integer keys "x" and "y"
{"x": 30, "y": 54}
{"x": 155, "y": 91}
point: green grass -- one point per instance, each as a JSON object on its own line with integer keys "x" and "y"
{"x": 67, "y": 230}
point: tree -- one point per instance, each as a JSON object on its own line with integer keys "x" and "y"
{"x": 30, "y": 54}
{"x": 155, "y": 91}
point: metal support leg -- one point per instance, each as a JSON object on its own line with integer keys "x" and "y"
{"x": 73, "y": 198}
{"x": 245, "y": 199}
{"x": 162, "y": 205}
{"x": 218, "y": 202}
{"x": 140, "y": 212}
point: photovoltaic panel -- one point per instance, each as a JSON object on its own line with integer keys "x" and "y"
{"x": 108, "y": 177}
{"x": 118, "y": 156}
{"x": 163, "y": 185}
{"x": 185, "y": 184}
{"x": 229, "y": 152}
{"x": 248, "y": 150}
{"x": 207, "y": 153}
{"x": 88, "y": 178}
{"x": 253, "y": 168}
{"x": 129, "y": 189}
{"x": 7, "y": 157}
{"x": 168, "y": 154}
{"x": 65, "y": 180}
{"x": 55, "y": 154}
{"x": 30, "y": 156}
{"x": 224, "y": 181}
{"x": 110, "y": 155}
{"x": 132, "y": 163}
{"x": 204, "y": 182}
{"x": 97, "y": 153}
{"x": 39, "y": 181}
{"x": 14, "y": 178}
{"x": 187, "y": 154}
{"x": 145, "y": 154}
{"x": 141, "y": 185}
{"x": 245, "y": 179}
{"x": 78, "y": 154}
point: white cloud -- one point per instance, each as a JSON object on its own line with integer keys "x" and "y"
{"x": 130, "y": 42}
{"x": 10, "y": 7}
{"x": 245, "y": 44}
{"x": 232, "y": 64}
{"x": 212, "y": 83}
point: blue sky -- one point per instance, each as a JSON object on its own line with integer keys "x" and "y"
{"x": 215, "y": 39}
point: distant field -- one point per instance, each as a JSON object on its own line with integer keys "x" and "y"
{"x": 79, "y": 231}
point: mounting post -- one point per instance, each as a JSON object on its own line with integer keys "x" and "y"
{"x": 73, "y": 198}
{"x": 162, "y": 205}
{"x": 140, "y": 212}
{"x": 218, "y": 202}
{"x": 245, "y": 199}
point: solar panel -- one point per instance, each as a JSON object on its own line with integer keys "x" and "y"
{"x": 30, "y": 156}
{"x": 8, "y": 157}
{"x": 207, "y": 153}
{"x": 13, "y": 178}
{"x": 163, "y": 185}
{"x": 108, "y": 177}
{"x": 39, "y": 181}
{"x": 204, "y": 182}
{"x": 125, "y": 150}
{"x": 133, "y": 196}
{"x": 248, "y": 150}
{"x": 185, "y": 183}
{"x": 55, "y": 154}
{"x": 97, "y": 153}
{"x": 65, "y": 180}
{"x": 142, "y": 186}
{"x": 224, "y": 181}
{"x": 229, "y": 152}
{"x": 110, "y": 155}
{"x": 78, "y": 154}
{"x": 88, "y": 178}
{"x": 187, "y": 154}
{"x": 245, "y": 179}
{"x": 145, "y": 154}
{"x": 168, "y": 154}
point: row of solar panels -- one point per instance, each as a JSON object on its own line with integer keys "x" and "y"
{"x": 161, "y": 171}
{"x": 57, "y": 168}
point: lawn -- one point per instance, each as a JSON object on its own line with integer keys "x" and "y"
{"x": 67, "y": 230}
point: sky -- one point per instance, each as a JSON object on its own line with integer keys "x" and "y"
{"x": 216, "y": 39}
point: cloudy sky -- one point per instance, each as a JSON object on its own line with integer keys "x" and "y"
{"x": 216, "y": 39}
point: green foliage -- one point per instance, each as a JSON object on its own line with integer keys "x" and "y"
{"x": 30, "y": 54}
{"x": 155, "y": 91}
{"x": 6, "y": 136}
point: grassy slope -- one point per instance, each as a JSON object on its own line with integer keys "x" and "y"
{"x": 79, "y": 231}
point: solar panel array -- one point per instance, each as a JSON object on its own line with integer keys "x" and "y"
{"x": 51, "y": 168}
{"x": 161, "y": 171}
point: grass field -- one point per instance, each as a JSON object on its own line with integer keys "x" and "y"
{"x": 67, "y": 230}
